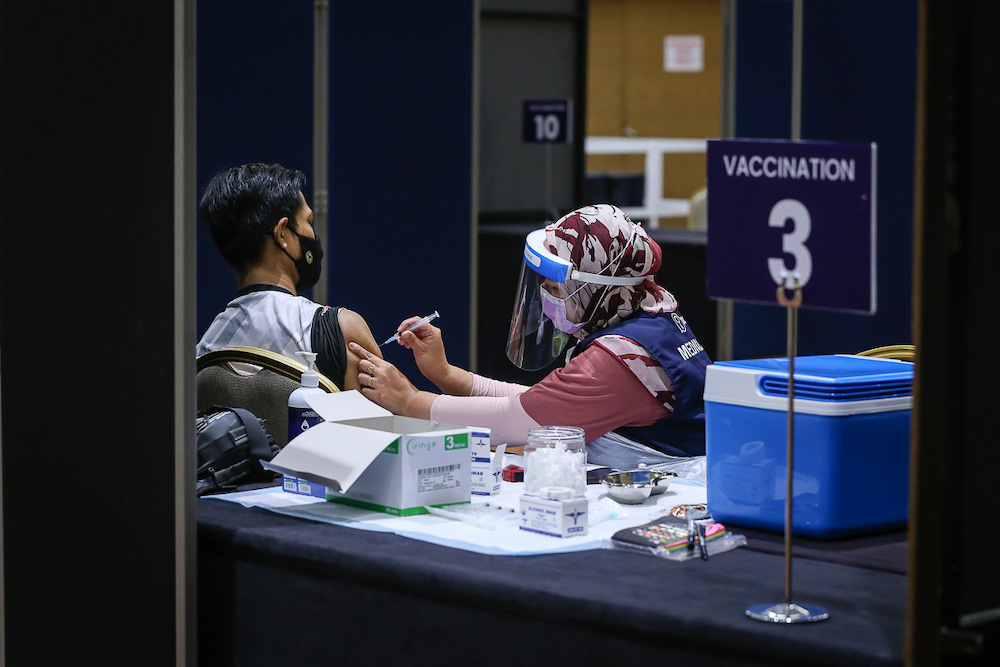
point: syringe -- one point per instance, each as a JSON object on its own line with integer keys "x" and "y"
{"x": 416, "y": 325}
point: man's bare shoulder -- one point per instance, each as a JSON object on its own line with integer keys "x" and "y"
{"x": 356, "y": 329}
{"x": 351, "y": 321}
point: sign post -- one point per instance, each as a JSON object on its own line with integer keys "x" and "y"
{"x": 547, "y": 122}
{"x": 792, "y": 215}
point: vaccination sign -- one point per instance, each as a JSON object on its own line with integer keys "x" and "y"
{"x": 546, "y": 121}
{"x": 803, "y": 208}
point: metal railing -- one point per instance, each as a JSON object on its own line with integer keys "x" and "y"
{"x": 654, "y": 205}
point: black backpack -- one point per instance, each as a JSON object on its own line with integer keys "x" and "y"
{"x": 231, "y": 444}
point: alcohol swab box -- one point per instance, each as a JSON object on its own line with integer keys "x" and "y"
{"x": 554, "y": 511}
{"x": 486, "y": 464}
{"x": 851, "y": 444}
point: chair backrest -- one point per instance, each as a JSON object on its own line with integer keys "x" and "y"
{"x": 898, "y": 352}
{"x": 254, "y": 379}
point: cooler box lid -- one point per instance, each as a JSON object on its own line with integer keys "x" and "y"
{"x": 834, "y": 384}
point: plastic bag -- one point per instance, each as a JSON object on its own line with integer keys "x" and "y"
{"x": 620, "y": 453}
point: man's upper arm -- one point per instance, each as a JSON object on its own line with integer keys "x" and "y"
{"x": 355, "y": 330}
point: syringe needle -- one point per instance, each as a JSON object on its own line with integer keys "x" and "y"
{"x": 416, "y": 325}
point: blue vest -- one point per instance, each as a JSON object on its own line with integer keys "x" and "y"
{"x": 668, "y": 339}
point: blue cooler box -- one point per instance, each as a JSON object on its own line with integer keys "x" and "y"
{"x": 852, "y": 444}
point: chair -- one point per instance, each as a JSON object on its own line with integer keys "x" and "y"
{"x": 255, "y": 379}
{"x": 898, "y": 352}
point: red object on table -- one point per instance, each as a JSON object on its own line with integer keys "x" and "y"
{"x": 513, "y": 473}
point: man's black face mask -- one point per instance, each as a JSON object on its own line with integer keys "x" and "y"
{"x": 308, "y": 265}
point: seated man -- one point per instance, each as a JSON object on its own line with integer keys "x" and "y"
{"x": 263, "y": 227}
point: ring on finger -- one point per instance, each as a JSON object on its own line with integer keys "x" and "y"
{"x": 371, "y": 378}
{"x": 371, "y": 368}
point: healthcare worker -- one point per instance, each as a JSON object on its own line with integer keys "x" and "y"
{"x": 634, "y": 378}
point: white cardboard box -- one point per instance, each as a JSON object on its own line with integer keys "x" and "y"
{"x": 370, "y": 458}
{"x": 558, "y": 518}
{"x": 486, "y": 465}
{"x": 302, "y": 487}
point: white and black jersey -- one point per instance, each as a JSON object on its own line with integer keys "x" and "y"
{"x": 272, "y": 318}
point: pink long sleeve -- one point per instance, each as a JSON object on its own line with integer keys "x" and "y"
{"x": 503, "y": 415}
{"x": 595, "y": 391}
{"x": 484, "y": 386}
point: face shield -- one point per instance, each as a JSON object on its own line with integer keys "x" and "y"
{"x": 535, "y": 340}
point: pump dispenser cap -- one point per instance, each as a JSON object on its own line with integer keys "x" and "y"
{"x": 310, "y": 378}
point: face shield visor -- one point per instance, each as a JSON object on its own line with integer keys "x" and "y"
{"x": 534, "y": 341}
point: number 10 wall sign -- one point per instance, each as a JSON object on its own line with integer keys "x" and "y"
{"x": 546, "y": 121}
{"x": 802, "y": 208}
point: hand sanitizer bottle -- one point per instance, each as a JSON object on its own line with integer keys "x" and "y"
{"x": 300, "y": 415}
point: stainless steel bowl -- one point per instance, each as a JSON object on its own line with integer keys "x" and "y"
{"x": 633, "y": 487}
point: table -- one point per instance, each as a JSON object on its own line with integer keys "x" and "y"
{"x": 280, "y": 590}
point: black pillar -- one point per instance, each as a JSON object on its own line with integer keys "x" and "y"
{"x": 93, "y": 275}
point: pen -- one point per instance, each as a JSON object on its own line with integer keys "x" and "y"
{"x": 693, "y": 515}
{"x": 701, "y": 539}
{"x": 416, "y": 325}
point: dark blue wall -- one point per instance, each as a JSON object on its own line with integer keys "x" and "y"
{"x": 255, "y": 104}
{"x": 401, "y": 166}
{"x": 859, "y": 84}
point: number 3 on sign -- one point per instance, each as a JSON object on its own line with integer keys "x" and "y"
{"x": 793, "y": 242}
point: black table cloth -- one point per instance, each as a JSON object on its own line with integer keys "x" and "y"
{"x": 280, "y": 590}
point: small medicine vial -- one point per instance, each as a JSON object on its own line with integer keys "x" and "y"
{"x": 555, "y": 456}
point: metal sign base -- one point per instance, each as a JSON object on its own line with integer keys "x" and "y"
{"x": 789, "y": 612}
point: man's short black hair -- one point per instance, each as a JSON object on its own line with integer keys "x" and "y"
{"x": 241, "y": 206}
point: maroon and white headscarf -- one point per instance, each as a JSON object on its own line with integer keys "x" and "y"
{"x": 595, "y": 238}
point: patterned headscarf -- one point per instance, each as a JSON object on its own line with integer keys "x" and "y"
{"x": 592, "y": 238}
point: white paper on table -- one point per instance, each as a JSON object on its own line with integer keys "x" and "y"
{"x": 461, "y": 535}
